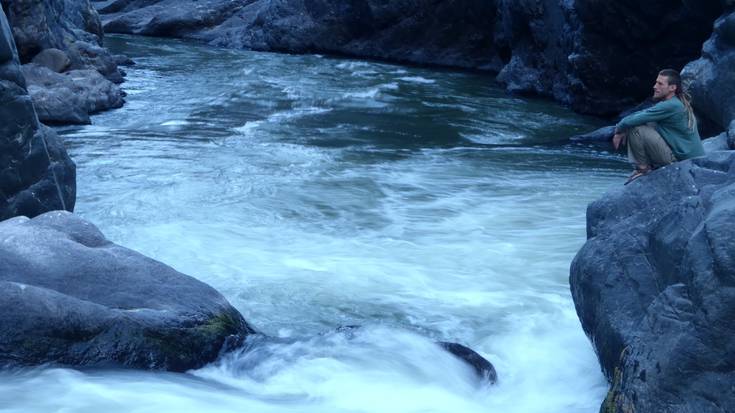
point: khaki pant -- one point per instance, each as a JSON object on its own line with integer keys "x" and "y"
{"x": 647, "y": 147}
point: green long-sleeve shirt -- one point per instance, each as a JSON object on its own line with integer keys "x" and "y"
{"x": 672, "y": 124}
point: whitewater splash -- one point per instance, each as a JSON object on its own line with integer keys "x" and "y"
{"x": 314, "y": 199}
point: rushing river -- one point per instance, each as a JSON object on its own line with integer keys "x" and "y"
{"x": 317, "y": 192}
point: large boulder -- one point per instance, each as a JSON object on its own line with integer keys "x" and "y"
{"x": 711, "y": 78}
{"x": 69, "y": 296}
{"x": 654, "y": 288}
{"x": 599, "y": 57}
{"x": 36, "y": 174}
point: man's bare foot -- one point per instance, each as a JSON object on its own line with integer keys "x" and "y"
{"x": 641, "y": 170}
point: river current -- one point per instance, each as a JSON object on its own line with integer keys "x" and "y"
{"x": 316, "y": 192}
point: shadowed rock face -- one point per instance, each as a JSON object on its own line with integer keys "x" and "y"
{"x": 654, "y": 287}
{"x": 69, "y": 296}
{"x": 45, "y": 24}
{"x": 712, "y": 77}
{"x": 36, "y": 174}
{"x": 597, "y": 56}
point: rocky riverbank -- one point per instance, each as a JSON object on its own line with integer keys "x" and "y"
{"x": 69, "y": 74}
{"x": 596, "y": 57}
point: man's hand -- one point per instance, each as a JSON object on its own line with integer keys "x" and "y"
{"x": 618, "y": 140}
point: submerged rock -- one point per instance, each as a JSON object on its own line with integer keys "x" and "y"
{"x": 69, "y": 296}
{"x": 654, "y": 288}
{"x": 36, "y": 174}
{"x": 482, "y": 367}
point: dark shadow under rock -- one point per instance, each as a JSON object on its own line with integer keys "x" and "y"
{"x": 68, "y": 296}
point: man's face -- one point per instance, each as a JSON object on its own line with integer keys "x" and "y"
{"x": 662, "y": 90}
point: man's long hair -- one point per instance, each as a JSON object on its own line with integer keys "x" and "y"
{"x": 675, "y": 79}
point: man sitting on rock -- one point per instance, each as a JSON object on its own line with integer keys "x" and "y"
{"x": 663, "y": 133}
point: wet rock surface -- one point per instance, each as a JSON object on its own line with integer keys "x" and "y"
{"x": 68, "y": 296}
{"x": 654, "y": 288}
{"x": 483, "y": 368}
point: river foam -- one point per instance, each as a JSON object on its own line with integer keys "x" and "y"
{"x": 312, "y": 207}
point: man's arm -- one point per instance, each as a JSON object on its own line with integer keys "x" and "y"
{"x": 618, "y": 139}
{"x": 655, "y": 113}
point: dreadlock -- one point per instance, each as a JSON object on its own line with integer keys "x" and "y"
{"x": 674, "y": 78}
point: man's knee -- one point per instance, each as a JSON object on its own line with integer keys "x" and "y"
{"x": 644, "y": 132}
{"x": 649, "y": 147}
